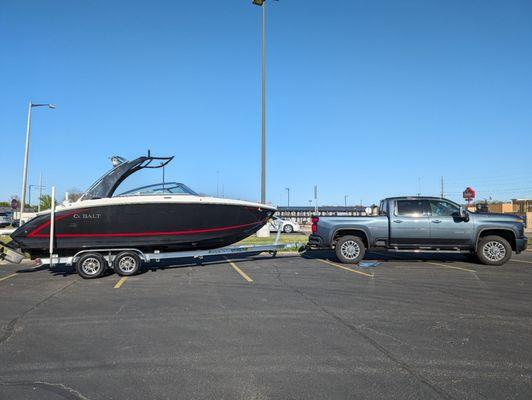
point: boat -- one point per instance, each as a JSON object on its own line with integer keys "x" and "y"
{"x": 166, "y": 216}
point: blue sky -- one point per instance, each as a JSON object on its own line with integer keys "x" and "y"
{"x": 365, "y": 99}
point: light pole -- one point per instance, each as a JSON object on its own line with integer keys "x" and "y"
{"x": 345, "y": 201}
{"x": 261, "y": 3}
{"x": 27, "y": 153}
{"x": 288, "y": 191}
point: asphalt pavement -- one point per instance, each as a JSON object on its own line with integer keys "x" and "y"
{"x": 289, "y": 327}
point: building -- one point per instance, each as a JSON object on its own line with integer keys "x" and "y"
{"x": 522, "y": 207}
{"x": 303, "y": 215}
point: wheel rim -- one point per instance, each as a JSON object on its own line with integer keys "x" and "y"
{"x": 494, "y": 251}
{"x": 288, "y": 229}
{"x": 350, "y": 249}
{"x": 127, "y": 264}
{"x": 91, "y": 266}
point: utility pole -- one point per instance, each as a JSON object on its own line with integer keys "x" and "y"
{"x": 40, "y": 192}
{"x": 288, "y": 191}
{"x": 345, "y": 201}
{"x": 442, "y": 194}
{"x": 316, "y": 196}
{"x": 217, "y": 183}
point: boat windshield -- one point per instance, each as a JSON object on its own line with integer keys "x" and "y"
{"x": 172, "y": 188}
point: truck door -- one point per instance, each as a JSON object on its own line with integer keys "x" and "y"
{"x": 447, "y": 228}
{"x": 409, "y": 223}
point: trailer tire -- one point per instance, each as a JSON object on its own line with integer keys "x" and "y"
{"x": 91, "y": 265}
{"x": 350, "y": 249}
{"x": 127, "y": 263}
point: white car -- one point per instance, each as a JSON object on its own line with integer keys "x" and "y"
{"x": 286, "y": 225}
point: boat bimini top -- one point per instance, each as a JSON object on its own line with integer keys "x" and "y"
{"x": 122, "y": 168}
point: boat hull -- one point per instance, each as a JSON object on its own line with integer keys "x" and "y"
{"x": 147, "y": 227}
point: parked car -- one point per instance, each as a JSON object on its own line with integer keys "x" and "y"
{"x": 422, "y": 224}
{"x": 287, "y": 226}
{"x": 5, "y": 219}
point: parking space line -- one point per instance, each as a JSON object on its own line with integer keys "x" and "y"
{"x": 120, "y": 282}
{"x": 521, "y": 261}
{"x": 7, "y": 277}
{"x": 452, "y": 267}
{"x": 242, "y": 273}
{"x": 345, "y": 268}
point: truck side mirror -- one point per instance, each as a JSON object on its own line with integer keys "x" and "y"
{"x": 464, "y": 214}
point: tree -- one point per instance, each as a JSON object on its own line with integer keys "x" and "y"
{"x": 46, "y": 202}
{"x": 74, "y": 194}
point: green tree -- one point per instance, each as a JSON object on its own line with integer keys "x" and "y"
{"x": 46, "y": 202}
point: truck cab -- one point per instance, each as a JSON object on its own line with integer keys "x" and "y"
{"x": 422, "y": 224}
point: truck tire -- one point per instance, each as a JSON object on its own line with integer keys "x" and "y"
{"x": 493, "y": 250}
{"x": 350, "y": 249}
{"x": 127, "y": 263}
{"x": 91, "y": 265}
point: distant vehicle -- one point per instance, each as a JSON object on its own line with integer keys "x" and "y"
{"x": 287, "y": 226}
{"x": 422, "y": 224}
{"x": 5, "y": 219}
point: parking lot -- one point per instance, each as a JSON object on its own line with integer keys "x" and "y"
{"x": 288, "y": 327}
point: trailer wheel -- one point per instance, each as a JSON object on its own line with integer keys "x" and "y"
{"x": 350, "y": 249}
{"x": 127, "y": 263}
{"x": 91, "y": 265}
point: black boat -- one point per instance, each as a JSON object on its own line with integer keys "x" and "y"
{"x": 166, "y": 217}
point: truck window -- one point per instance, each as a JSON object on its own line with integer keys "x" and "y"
{"x": 411, "y": 208}
{"x": 383, "y": 209}
{"x": 443, "y": 208}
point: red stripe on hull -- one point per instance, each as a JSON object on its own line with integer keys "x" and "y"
{"x": 137, "y": 234}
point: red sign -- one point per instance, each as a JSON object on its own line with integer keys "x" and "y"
{"x": 469, "y": 194}
{"x": 14, "y": 204}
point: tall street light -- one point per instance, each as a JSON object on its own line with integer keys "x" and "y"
{"x": 27, "y": 153}
{"x": 261, "y": 3}
{"x": 345, "y": 200}
{"x": 288, "y": 190}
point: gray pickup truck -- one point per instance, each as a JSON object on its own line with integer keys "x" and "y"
{"x": 421, "y": 224}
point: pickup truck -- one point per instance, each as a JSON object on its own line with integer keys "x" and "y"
{"x": 421, "y": 224}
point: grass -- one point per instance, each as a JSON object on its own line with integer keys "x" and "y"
{"x": 5, "y": 238}
{"x": 297, "y": 237}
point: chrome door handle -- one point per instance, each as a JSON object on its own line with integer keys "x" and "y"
{"x": 398, "y": 221}
{"x": 436, "y": 221}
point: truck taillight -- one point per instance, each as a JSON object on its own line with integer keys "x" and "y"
{"x": 315, "y": 224}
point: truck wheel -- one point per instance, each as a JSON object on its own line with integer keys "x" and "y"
{"x": 350, "y": 249}
{"x": 288, "y": 228}
{"x": 494, "y": 250}
{"x": 127, "y": 263}
{"x": 91, "y": 265}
